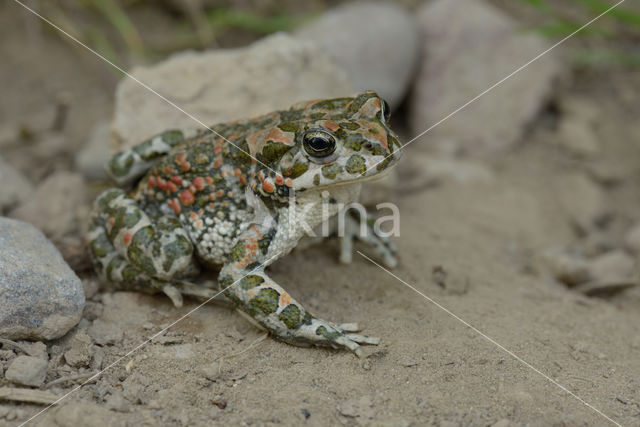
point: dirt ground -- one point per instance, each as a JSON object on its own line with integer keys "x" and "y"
{"x": 482, "y": 235}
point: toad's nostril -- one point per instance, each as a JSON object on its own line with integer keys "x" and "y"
{"x": 368, "y": 146}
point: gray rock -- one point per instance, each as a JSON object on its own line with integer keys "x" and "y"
{"x": 15, "y": 187}
{"x": 377, "y": 44}
{"x": 27, "y": 370}
{"x": 40, "y": 296}
{"x": 582, "y": 200}
{"x": 79, "y": 355}
{"x": 91, "y": 159}
{"x": 467, "y": 46}
{"x": 223, "y": 85}
{"x": 632, "y": 239}
{"x": 57, "y": 206}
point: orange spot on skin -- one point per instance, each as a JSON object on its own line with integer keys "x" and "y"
{"x": 193, "y": 215}
{"x": 288, "y": 182}
{"x": 331, "y": 125}
{"x": 173, "y": 204}
{"x": 198, "y": 223}
{"x": 209, "y": 180}
{"x": 161, "y": 183}
{"x": 268, "y": 186}
{"x": 168, "y": 170}
{"x": 177, "y": 179}
{"x": 199, "y": 183}
{"x": 127, "y": 238}
{"x": 217, "y": 163}
{"x": 285, "y": 299}
{"x": 220, "y": 193}
{"x": 217, "y": 149}
{"x": 212, "y": 196}
{"x": 186, "y": 197}
{"x": 279, "y": 179}
{"x": 180, "y": 158}
{"x": 172, "y": 187}
{"x": 186, "y": 166}
{"x": 112, "y": 221}
{"x": 151, "y": 182}
{"x": 237, "y": 172}
{"x": 277, "y": 135}
{"x": 243, "y": 180}
{"x": 212, "y": 206}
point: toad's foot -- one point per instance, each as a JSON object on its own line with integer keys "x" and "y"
{"x": 322, "y": 333}
{"x": 365, "y": 231}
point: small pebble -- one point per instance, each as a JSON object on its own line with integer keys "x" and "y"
{"x": 27, "y": 370}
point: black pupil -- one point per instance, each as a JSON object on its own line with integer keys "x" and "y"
{"x": 319, "y": 144}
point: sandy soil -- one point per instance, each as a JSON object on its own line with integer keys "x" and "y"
{"x": 215, "y": 367}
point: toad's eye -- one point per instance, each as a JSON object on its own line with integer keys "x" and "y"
{"x": 386, "y": 111}
{"x": 319, "y": 144}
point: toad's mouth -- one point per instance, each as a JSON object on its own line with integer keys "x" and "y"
{"x": 360, "y": 180}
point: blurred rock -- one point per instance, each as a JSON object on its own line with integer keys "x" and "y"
{"x": 40, "y": 296}
{"x": 223, "y": 85}
{"x": 440, "y": 169}
{"x": 567, "y": 268}
{"x": 105, "y": 333}
{"x": 15, "y": 187}
{"x": 611, "y": 273}
{"x": 91, "y": 159}
{"x": 632, "y": 239}
{"x": 79, "y": 355}
{"x": 57, "y": 206}
{"x": 377, "y": 44}
{"x": 582, "y": 200}
{"x": 614, "y": 266}
{"x": 27, "y": 370}
{"x": 466, "y": 48}
{"x": 577, "y": 137}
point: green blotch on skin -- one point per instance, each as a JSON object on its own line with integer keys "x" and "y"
{"x": 124, "y": 220}
{"x": 331, "y": 171}
{"x": 330, "y": 336}
{"x": 316, "y": 116}
{"x": 225, "y": 281}
{"x": 374, "y": 131}
{"x": 172, "y": 137}
{"x": 239, "y": 251}
{"x": 177, "y": 249}
{"x": 136, "y": 254}
{"x": 272, "y": 152}
{"x": 265, "y": 241}
{"x": 264, "y": 302}
{"x": 291, "y": 115}
{"x": 316, "y": 180}
{"x": 355, "y": 164}
{"x": 354, "y": 142}
{"x": 331, "y": 104}
{"x": 383, "y": 164}
{"x": 288, "y": 127}
{"x": 100, "y": 246}
{"x": 250, "y": 282}
{"x": 349, "y": 125}
{"x": 130, "y": 274}
{"x": 120, "y": 164}
{"x": 296, "y": 170}
{"x": 291, "y": 316}
{"x": 377, "y": 150}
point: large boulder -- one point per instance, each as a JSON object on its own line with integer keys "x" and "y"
{"x": 468, "y": 46}
{"x": 223, "y": 85}
{"x": 375, "y": 43}
{"x": 40, "y": 296}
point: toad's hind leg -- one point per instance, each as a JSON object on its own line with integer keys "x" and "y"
{"x": 128, "y": 248}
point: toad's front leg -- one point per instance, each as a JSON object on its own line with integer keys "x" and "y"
{"x": 255, "y": 293}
